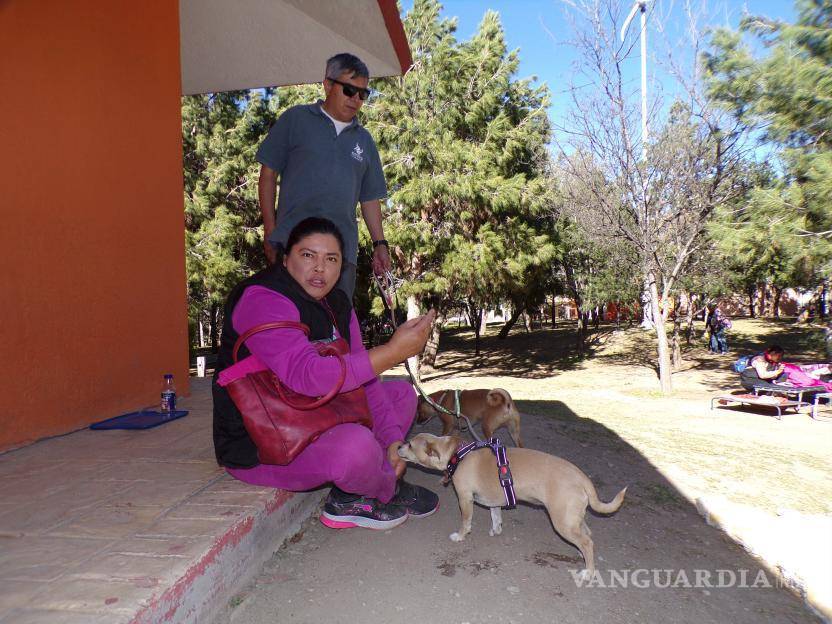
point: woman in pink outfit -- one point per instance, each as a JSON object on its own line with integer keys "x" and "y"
{"x": 361, "y": 463}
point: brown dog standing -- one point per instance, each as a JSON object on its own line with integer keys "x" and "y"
{"x": 539, "y": 478}
{"x": 492, "y": 408}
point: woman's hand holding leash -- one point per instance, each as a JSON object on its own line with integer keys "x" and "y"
{"x": 408, "y": 340}
{"x": 411, "y": 336}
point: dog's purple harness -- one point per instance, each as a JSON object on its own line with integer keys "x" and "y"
{"x": 503, "y": 471}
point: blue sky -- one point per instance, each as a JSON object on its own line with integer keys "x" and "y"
{"x": 541, "y": 32}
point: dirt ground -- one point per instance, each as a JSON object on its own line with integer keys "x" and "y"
{"x": 738, "y": 452}
{"x": 605, "y": 414}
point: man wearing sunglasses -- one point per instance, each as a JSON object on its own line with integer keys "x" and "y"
{"x": 327, "y": 163}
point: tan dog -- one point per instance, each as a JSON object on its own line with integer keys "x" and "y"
{"x": 492, "y": 408}
{"x": 539, "y": 479}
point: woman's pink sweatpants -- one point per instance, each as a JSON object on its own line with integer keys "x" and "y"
{"x": 347, "y": 455}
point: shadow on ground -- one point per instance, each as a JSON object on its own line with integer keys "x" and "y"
{"x": 656, "y": 530}
{"x": 657, "y": 560}
{"x": 535, "y": 355}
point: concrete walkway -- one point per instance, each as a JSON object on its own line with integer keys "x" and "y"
{"x": 133, "y": 526}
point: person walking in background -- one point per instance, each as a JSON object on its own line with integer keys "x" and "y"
{"x": 718, "y": 323}
{"x": 327, "y": 163}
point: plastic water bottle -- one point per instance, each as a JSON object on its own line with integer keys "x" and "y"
{"x": 168, "y": 395}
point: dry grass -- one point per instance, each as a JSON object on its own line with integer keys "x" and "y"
{"x": 607, "y": 398}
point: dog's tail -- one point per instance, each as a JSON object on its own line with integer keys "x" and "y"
{"x": 498, "y": 396}
{"x": 601, "y": 507}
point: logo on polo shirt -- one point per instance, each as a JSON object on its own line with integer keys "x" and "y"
{"x": 357, "y": 153}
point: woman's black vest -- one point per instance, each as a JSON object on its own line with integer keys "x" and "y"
{"x": 232, "y": 444}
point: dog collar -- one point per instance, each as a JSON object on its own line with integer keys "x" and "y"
{"x": 503, "y": 470}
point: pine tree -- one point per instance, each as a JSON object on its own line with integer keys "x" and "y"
{"x": 223, "y": 227}
{"x": 786, "y": 95}
{"x": 463, "y": 144}
{"x": 758, "y": 246}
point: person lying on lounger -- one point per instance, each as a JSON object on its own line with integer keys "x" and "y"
{"x": 767, "y": 370}
{"x": 764, "y": 370}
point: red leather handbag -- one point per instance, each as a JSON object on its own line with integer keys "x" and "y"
{"x": 282, "y": 422}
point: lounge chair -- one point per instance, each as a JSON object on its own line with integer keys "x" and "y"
{"x": 760, "y": 400}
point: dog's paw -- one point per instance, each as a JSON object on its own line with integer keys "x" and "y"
{"x": 456, "y": 537}
{"x": 495, "y": 530}
{"x": 585, "y": 575}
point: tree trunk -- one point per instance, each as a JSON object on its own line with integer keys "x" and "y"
{"x": 751, "y": 291}
{"x": 703, "y": 305}
{"x": 775, "y": 304}
{"x": 432, "y": 346}
{"x": 414, "y": 310}
{"x": 475, "y": 316}
{"x": 554, "y": 312}
{"x": 201, "y": 325}
{"x": 665, "y": 370}
{"x": 213, "y": 327}
{"x": 576, "y": 296}
{"x": 763, "y": 308}
{"x": 675, "y": 343}
{"x": 824, "y": 296}
{"x": 646, "y": 310}
{"x": 506, "y": 328}
{"x": 689, "y": 318}
{"x": 581, "y": 324}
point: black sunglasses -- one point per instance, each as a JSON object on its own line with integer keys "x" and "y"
{"x": 350, "y": 90}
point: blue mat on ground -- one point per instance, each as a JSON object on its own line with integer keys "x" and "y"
{"x": 145, "y": 419}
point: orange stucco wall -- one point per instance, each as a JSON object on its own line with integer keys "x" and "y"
{"x": 92, "y": 282}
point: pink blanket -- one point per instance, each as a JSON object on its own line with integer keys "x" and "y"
{"x": 801, "y": 379}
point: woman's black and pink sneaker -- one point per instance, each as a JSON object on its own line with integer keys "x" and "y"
{"x": 345, "y": 511}
{"x": 415, "y": 500}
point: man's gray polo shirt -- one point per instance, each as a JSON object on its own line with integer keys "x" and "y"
{"x": 321, "y": 174}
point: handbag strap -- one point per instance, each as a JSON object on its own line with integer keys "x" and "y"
{"x": 278, "y": 384}
{"x": 263, "y": 327}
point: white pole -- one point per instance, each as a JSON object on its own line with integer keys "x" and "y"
{"x": 644, "y": 80}
{"x": 641, "y": 5}
{"x": 647, "y": 320}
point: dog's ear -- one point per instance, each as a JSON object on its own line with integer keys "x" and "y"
{"x": 431, "y": 450}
